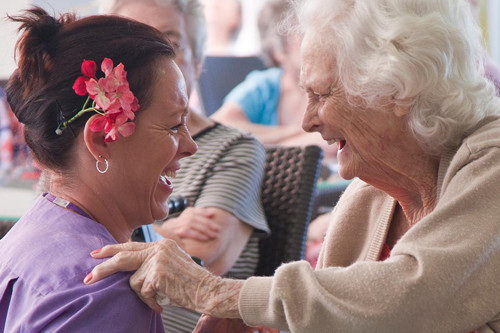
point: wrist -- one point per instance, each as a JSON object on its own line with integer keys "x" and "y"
{"x": 219, "y": 297}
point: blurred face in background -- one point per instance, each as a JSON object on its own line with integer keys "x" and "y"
{"x": 222, "y": 15}
{"x": 170, "y": 21}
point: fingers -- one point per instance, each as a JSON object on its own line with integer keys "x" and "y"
{"x": 143, "y": 289}
{"x": 111, "y": 250}
{"x": 197, "y": 232}
{"x": 120, "y": 262}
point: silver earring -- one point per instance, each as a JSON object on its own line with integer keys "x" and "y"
{"x": 105, "y": 166}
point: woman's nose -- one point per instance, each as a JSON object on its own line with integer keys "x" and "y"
{"x": 308, "y": 123}
{"x": 187, "y": 146}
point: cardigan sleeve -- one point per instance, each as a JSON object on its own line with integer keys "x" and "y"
{"x": 442, "y": 274}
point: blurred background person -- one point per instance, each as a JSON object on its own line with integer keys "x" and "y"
{"x": 6, "y": 139}
{"x": 224, "y": 20}
{"x": 270, "y": 103}
{"x": 491, "y": 69}
{"x": 221, "y": 182}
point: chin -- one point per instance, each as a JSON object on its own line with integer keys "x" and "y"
{"x": 346, "y": 173}
{"x": 160, "y": 212}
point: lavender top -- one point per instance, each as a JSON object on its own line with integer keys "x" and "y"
{"x": 43, "y": 261}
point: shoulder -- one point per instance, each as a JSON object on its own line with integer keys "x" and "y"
{"x": 63, "y": 241}
{"x": 361, "y": 198}
{"x": 485, "y": 136}
{"x": 225, "y": 138}
{"x": 49, "y": 276}
{"x": 266, "y": 78}
{"x": 269, "y": 74}
{"x": 482, "y": 143}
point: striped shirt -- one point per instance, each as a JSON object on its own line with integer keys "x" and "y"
{"x": 226, "y": 173}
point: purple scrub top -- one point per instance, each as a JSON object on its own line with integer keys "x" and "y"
{"x": 43, "y": 260}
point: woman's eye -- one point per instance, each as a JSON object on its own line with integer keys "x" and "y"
{"x": 175, "y": 129}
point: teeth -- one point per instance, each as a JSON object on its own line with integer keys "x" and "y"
{"x": 169, "y": 174}
{"x": 333, "y": 141}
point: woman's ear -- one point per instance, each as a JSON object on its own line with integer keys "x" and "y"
{"x": 95, "y": 141}
{"x": 401, "y": 110}
{"x": 402, "y": 106}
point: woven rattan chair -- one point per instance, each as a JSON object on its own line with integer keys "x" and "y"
{"x": 287, "y": 195}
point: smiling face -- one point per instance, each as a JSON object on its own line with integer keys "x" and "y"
{"x": 367, "y": 139}
{"x": 170, "y": 21}
{"x": 159, "y": 141}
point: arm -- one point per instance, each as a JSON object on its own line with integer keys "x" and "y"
{"x": 157, "y": 280}
{"x": 229, "y": 199}
{"x": 232, "y": 114}
{"x": 442, "y": 274}
{"x": 218, "y": 252}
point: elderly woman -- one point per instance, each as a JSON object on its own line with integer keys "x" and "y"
{"x": 97, "y": 133}
{"x": 413, "y": 245}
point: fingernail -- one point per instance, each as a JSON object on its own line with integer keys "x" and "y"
{"x": 95, "y": 252}
{"x": 87, "y": 278}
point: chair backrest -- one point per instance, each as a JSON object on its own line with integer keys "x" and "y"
{"x": 287, "y": 195}
{"x": 219, "y": 75}
{"x": 5, "y": 226}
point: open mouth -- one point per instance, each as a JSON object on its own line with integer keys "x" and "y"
{"x": 339, "y": 142}
{"x": 166, "y": 176}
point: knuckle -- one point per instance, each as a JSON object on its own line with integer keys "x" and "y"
{"x": 120, "y": 258}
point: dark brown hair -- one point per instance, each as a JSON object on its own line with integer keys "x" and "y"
{"x": 50, "y": 53}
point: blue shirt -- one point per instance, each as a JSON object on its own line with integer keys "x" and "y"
{"x": 259, "y": 95}
{"x": 43, "y": 261}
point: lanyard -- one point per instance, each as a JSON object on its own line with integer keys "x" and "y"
{"x": 65, "y": 204}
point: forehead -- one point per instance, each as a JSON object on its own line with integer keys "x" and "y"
{"x": 169, "y": 93}
{"x": 317, "y": 63}
{"x": 166, "y": 18}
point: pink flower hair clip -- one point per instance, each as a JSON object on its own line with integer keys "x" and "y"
{"x": 111, "y": 98}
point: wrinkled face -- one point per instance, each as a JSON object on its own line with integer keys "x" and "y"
{"x": 366, "y": 137}
{"x": 141, "y": 162}
{"x": 170, "y": 21}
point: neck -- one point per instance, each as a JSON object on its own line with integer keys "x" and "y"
{"x": 219, "y": 43}
{"x": 91, "y": 202}
{"x": 414, "y": 187}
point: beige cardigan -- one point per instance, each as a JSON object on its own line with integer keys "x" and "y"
{"x": 443, "y": 274}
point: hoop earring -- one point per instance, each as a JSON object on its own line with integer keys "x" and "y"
{"x": 105, "y": 166}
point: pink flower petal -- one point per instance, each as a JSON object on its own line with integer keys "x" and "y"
{"x": 127, "y": 129}
{"x": 135, "y": 104}
{"x": 120, "y": 73}
{"x": 121, "y": 118}
{"x": 129, "y": 114}
{"x": 107, "y": 66}
{"x": 89, "y": 68}
{"x": 93, "y": 87}
{"x": 98, "y": 124}
{"x": 111, "y": 136}
{"x": 80, "y": 87}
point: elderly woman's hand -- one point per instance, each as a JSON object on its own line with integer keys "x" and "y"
{"x": 167, "y": 275}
